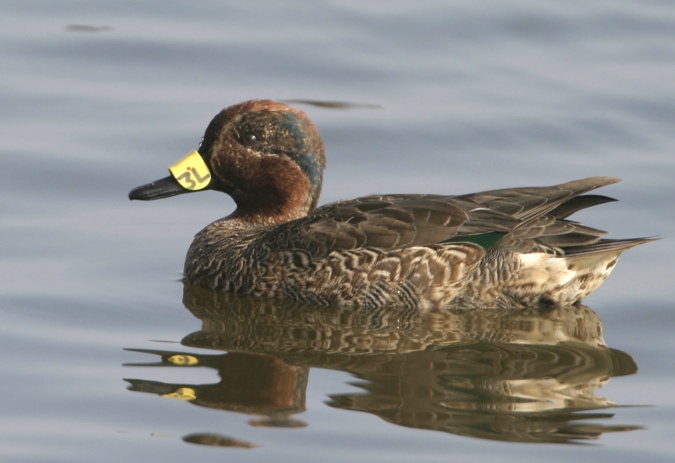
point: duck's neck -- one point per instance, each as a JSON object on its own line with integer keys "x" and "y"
{"x": 276, "y": 195}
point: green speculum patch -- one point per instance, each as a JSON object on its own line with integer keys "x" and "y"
{"x": 484, "y": 240}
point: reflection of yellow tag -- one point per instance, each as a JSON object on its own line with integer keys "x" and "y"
{"x": 183, "y": 393}
{"x": 183, "y": 360}
{"x": 191, "y": 172}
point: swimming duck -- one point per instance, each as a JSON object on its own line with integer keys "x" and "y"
{"x": 511, "y": 247}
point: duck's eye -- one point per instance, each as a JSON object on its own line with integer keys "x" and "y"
{"x": 249, "y": 138}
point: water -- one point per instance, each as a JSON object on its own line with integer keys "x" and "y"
{"x": 98, "y": 98}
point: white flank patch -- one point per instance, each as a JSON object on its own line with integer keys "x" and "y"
{"x": 544, "y": 269}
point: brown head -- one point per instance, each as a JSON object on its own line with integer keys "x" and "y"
{"x": 267, "y": 156}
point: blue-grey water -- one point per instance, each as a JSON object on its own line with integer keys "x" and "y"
{"x": 98, "y": 339}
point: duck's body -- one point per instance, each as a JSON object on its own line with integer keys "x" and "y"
{"x": 502, "y": 248}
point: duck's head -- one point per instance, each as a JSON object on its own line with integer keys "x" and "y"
{"x": 266, "y": 155}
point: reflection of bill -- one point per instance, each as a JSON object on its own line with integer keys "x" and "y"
{"x": 513, "y": 375}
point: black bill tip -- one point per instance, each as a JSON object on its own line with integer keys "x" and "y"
{"x": 162, "y": 188}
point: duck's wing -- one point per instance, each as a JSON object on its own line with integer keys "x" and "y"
{"x": 380, "y": 221}
{"x": 543, "y": 212}
{"x": 530, "y": 203}
{"x": 527, "y": 218}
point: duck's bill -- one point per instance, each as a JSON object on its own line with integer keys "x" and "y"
{"x": 189, "y": 174}
{"x": 162, "y": 188}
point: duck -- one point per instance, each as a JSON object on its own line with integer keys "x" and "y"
{"x": 503, "y": 248}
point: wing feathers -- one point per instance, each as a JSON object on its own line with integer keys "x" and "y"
{"x": 533, "y": 219}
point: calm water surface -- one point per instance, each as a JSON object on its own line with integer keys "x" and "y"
{"x": 107, "y": 357}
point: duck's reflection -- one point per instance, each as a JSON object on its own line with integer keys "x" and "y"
{"x": 526, "y": 375}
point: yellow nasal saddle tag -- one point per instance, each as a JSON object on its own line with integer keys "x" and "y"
{"x": 191, "y": 172}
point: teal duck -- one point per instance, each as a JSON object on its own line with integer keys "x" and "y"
{"x": 510, "y": 247}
